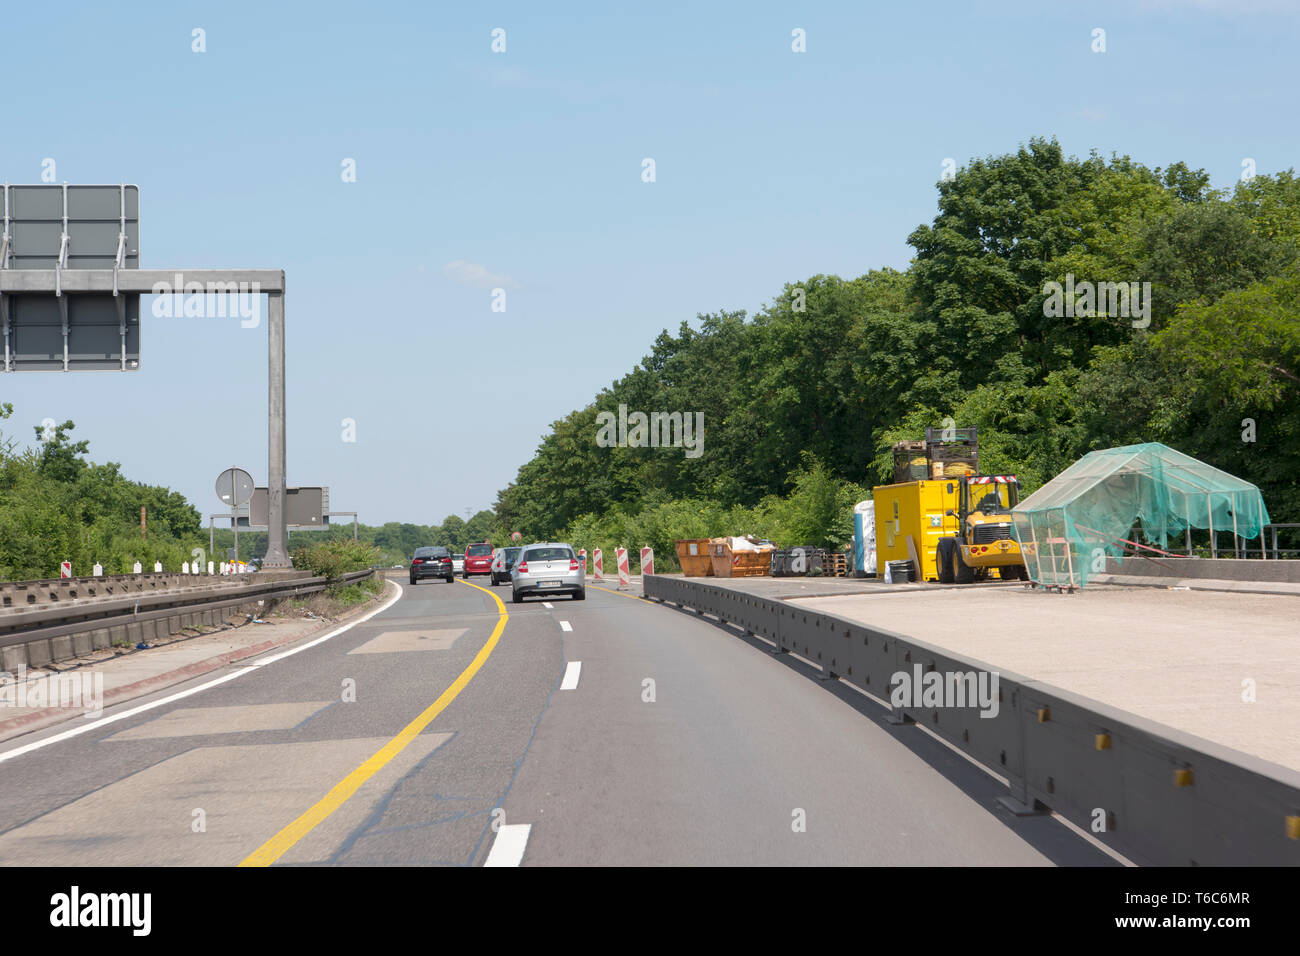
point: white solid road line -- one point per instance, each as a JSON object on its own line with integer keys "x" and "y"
{"x": 566, "y": 626}
{"x": 246, "y": 668}
{"x": 571, "y": 674}
{"x": 508, "y": 848}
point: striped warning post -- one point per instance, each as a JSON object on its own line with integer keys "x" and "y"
{"x": 582, "y": 559}
{"x": 624, "y": 573}
{"x": 647, "y": 560}
{"x": 598, "y": 570}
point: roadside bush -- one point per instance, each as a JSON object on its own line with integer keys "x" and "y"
{"x": 56, "y": 506}
{"x": 354, "y": 594}
{"x": 332, "y": 559}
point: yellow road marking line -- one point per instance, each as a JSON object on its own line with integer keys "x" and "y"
{"x": 282, "y": 842}
{"x": 634, "y": 597}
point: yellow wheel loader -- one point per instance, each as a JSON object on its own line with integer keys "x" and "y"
{"x": 984, "y": 541}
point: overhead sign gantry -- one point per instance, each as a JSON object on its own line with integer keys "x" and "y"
{"x": 70, "y": 287}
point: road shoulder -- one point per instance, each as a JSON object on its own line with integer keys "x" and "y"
{"x": 89, "y": 685}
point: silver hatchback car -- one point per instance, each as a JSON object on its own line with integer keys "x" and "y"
{"x": 547, "y": 569}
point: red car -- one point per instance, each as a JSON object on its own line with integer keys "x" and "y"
{"x": 478, "y": 559}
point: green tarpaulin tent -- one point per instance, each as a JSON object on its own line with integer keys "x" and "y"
{"x": 1067, "y": 527}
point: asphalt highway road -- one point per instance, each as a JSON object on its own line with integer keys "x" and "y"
{"x": 450, "y": 729}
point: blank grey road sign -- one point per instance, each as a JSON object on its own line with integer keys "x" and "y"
{"x": 64, "y": 228}
{"x": 234, "y": 486}
{"x": 304, "y": 509}
{"x": 96, "y": 216}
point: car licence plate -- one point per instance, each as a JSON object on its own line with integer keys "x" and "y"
{"x": 548, "y": 584}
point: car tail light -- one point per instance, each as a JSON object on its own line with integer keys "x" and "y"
{"x": 418, "y": 561}
{"x": 522, "y": 567}
{"x": 573, "y": 564}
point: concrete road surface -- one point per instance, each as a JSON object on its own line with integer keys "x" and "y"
{"x": 443, "y": 732}
{"x": 1182, "y": 658}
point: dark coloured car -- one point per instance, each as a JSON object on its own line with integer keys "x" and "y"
{"x": 503, "y": 562}
{"x": 432, "y": 562}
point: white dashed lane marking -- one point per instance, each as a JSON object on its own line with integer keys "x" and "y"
{"x": 571, "y": 674}
{"x": 508, "y": 848}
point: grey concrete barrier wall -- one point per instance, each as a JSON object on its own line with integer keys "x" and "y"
{"x": 20, "y": 619}
{"x": 1153, "y": 793}
{"x": 52, "y": 650}
{"x": 1285, "y": 571}
{"x": 60, "y": 635}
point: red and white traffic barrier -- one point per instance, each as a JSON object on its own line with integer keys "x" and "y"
{"x": 65, "y": 569}
{"x": 598, "y": 570}
{"x": 582, "y": 559}
{"x": 647, "y": 560}
{"x": 624, "y": 573}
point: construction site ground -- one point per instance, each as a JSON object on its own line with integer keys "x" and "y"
{"x": 1191, "y": 659}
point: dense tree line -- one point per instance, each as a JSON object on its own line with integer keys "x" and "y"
{"x": 395, "y": 541}
{"x": 802, "y": 401}
{"x": 55, "y": 506}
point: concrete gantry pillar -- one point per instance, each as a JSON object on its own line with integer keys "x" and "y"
{"x": 277, "y": 530}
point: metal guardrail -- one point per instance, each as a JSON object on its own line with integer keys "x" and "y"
{"x": 1264, "y": 551}
{"x": 58, "y": 621}
{"x": 1268, "y": 548}
{"x": 1165, "y": 797}
{"x": 20, "y": 594}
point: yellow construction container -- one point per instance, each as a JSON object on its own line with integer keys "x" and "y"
{"x": 738, "y": 563}
{"x": 693, "y": 556}
{"x": 910, "y": 519}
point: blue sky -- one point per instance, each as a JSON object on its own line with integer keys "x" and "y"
{"x": 522, "y": 170}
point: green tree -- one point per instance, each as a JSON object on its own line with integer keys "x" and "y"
{"x": 815, "y": 388}
{"x": 56, "y": 506}
{"x": 60, "y": 458}
{"x": 452, "y": 534}
{"x": 1235, "y": 368}
{"x": 1205, "y": 250}
{"x": 1272, "y": 203}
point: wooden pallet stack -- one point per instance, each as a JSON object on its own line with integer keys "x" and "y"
{"x": 812, "y": 562}
{"x": 835, "y": 564}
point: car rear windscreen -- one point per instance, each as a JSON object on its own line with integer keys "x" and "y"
{"x": 548, "y": 554}
{"x": 479, "y": 550}
{"x": 430, "y": 552}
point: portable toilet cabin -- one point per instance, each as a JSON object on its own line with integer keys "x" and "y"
{"x": 864, "y": 538}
